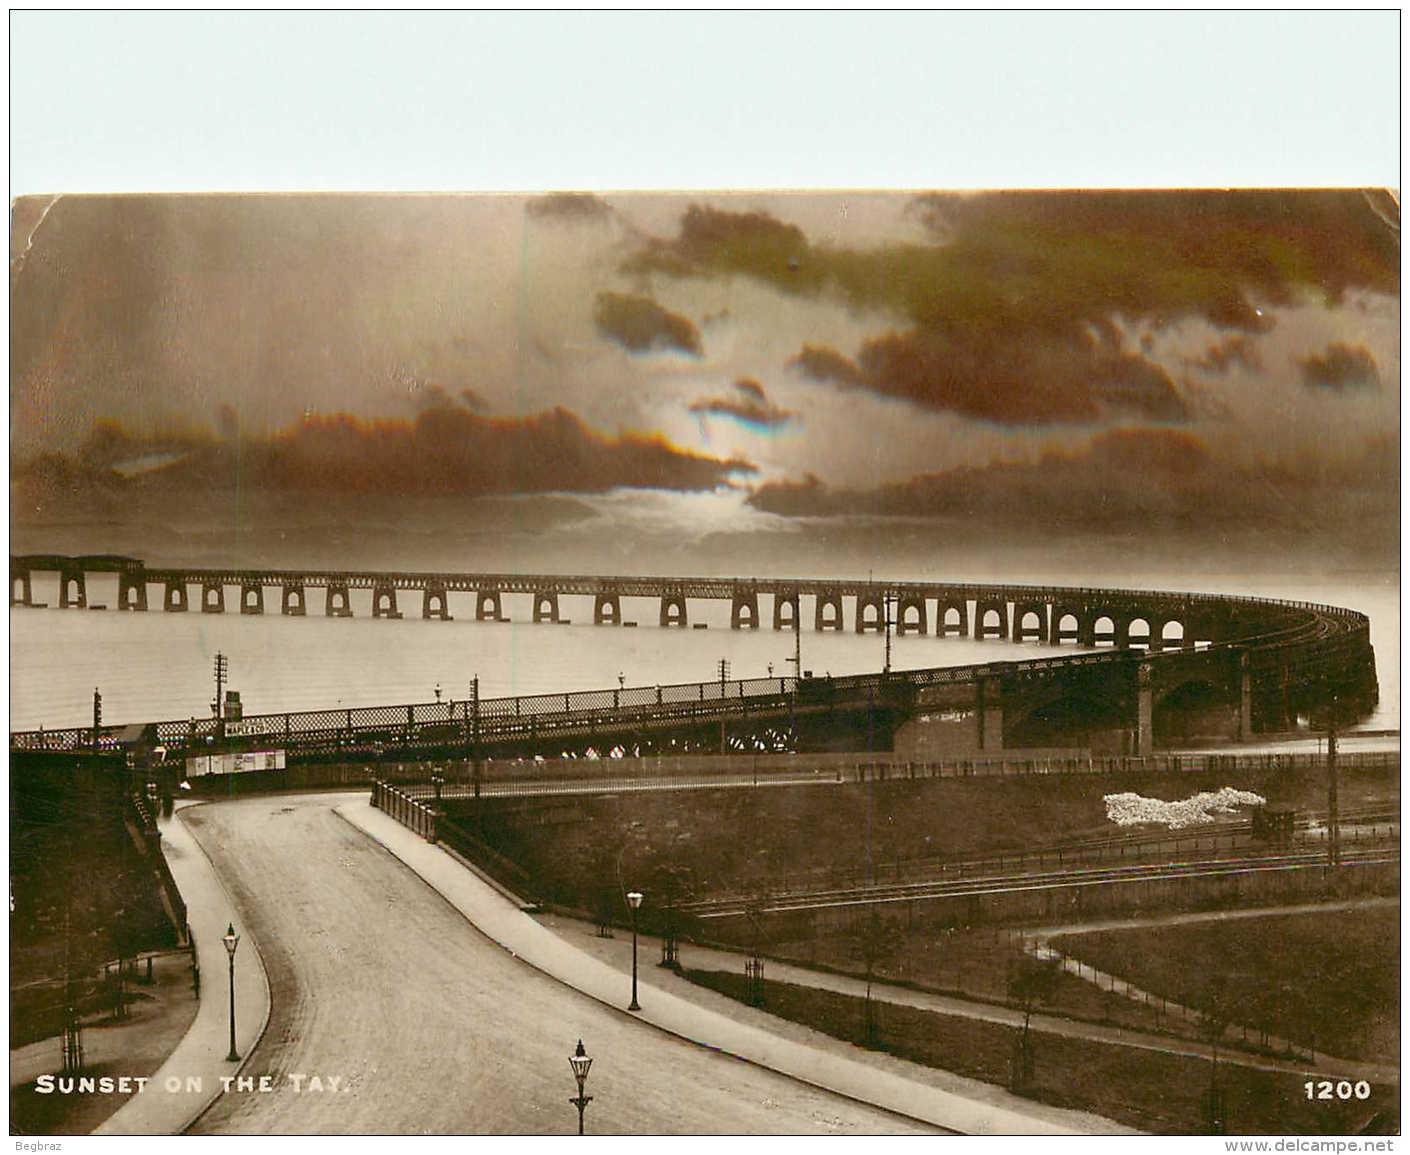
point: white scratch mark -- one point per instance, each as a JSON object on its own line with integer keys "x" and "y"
{"x": 17, "y": 262}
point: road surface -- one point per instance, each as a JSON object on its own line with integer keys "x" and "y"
{"x": 427, "y": 1026}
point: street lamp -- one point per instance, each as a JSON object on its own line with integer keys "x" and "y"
{"x": 634, "y": 901}
{"x": 231, "y": 941}
{"x": 581, "y": 1065}
{"x": 437, "y": 780}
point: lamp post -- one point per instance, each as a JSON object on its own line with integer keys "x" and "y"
{"x": 232, "y": 940}
{"x": 581, "y": 1065}
{"x": 437, "y": 780}
{"x": 634, "y": 901}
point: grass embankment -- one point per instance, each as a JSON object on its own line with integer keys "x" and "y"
{"x": 977, "y": 964}
{"x": 1329, "y": 980}
{"x": 1143, "y": 1089}
{"x": 738, "y": 840}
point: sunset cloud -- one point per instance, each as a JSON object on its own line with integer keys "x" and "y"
{"x": 448, "y": 449}
{"x": 572, "y": 208}
{"x": 640, "y": 325}
{"x": 748, "y": 404}
{"x": 1126, "y": 480}
{"x": 1017, "y": 309}
{"x": 1340, "y": 367}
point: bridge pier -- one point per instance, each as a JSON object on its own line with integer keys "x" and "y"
{"x": 384, "y": 601}
{"x": 607, "y": 610}
{"x": 920, "y": 623}
{"x": 1058, "y": 635}
{"x": 487, "y": 606}
{"x": 1245, "y": 698}
{"x": 175, "y": 599}
{"x": 132, "y": 591}
{"x": 673, "y": 610}
{"x": 822, "y": 618}
{"x": 293, "y": 601}
{"x": 787, "y": 602}
{"x": 989, "y": 713}
{"x": 26, "y": 583}
{"x": 875, "y": 602}
{"x": 338, "y": 603}
{"x": 212, "y": 598}
{"x": 251, "y": 598}
{"x": 745, "y": 610}
{"x": 546, "y": 607}
{"x": 78, "y": 599}
{"x": 1144, "y": 732}
{"x": 1038, "y": 633}
{"x": 943, "y": 627}
{"x": 982, "y": 629}
{"x": 435, "y": 603}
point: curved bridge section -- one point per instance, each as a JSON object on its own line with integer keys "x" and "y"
{"x": 1152, "y": 668}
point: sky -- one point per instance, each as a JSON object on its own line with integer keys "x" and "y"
{"x": 1069, "y": 358}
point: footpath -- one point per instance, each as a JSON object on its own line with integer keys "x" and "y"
{"x": 190, "y": 1080}
{"x": 934, "y": 1097}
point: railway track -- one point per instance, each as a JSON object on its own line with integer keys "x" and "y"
{"x": 1042, "y": 880}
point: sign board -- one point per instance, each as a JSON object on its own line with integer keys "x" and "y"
{"x": 242, "y": 763}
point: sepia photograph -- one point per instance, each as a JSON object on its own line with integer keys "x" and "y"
{"x": 759, "y": 660}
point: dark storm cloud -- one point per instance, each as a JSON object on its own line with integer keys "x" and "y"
{"x": 1340, "y": 367}
{"x": 1219, "y": 358}
{"x": 1127, "y": 481}
{"x": 752, "y": 244}
{"x": 1015, "y": 309}
{"x": 641, "y": 325}
{"x": 583, "y": 208}
{"x": 827, "y": 365}
{"x": 749, "y": 404}
{"x": 447, "y": 449}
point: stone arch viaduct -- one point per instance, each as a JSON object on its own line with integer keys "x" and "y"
{"x": 1148, "y": 668}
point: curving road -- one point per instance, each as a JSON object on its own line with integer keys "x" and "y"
{"x": 431, "y": 1028}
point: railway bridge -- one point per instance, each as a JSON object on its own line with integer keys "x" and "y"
{"x": 1148, "y": 668}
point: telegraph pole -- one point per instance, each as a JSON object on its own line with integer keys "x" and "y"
{"x": 1333, "y": 819}
{"x": 475, "y": 750}
{"x": 222, "y": 668}
{"x": 886, "y": 625}
{"x": 97, "y": 716}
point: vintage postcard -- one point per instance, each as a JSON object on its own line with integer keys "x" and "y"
{"x": 706, "y": 663}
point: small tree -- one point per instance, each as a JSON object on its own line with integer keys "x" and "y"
{"x": 871, "y": 942}
{"x": 1032, "y": 982}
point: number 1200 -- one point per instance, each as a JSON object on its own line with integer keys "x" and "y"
{"x": 1326, "y": 1089}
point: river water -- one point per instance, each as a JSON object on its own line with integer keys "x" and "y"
{"x": 156, "y": 665}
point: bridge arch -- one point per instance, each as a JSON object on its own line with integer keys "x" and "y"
{"x": 744, "y": 610}
{"x": 911, "y": 615}
{"x": 212, "y": 597}
{"x": 174, "y": 600}
{"x": 251, "y": 598}
{"x": 827, "y": 614}
{"x": 488, "y": 607}
{"x": 545, "y": 606}
{"x": 1067, "y": 626}
{"x": 1138, "y": 633}
{"x": 293, "y": 601}
{"x": 339, "y": 601}
{"x": 435, "y": 603}
{"x": 952, "y": 617}
{"x": 674, "y": 611}
{"x": 607, "y": 609}
{"x": 1030, "y": 622}
{"x": 1172, "y": 634}
{"x": 991, "y": 620}
{"x": 1104, "y": 631}
{"x": 789, "y": 602}
{"x": 871, "y": 612}
{"x": 384, "y": 601}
